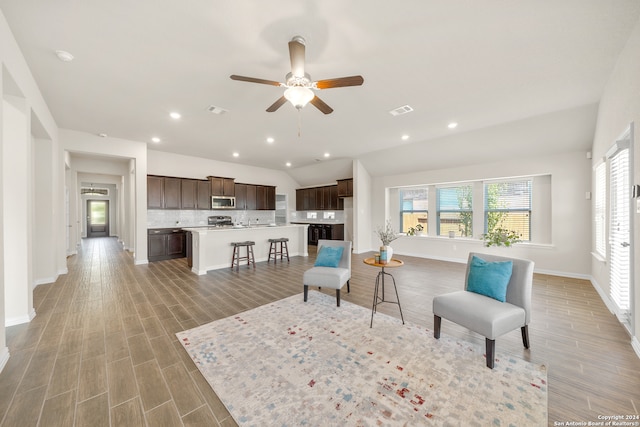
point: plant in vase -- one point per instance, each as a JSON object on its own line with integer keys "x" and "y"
{"x": 418, "y": 229}
{"x": 386, "y": 235}
{"x": 500, "y": 237}
{"x": 411, "y": 231}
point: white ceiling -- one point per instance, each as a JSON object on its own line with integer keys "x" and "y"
{"x": 479, "y": 63}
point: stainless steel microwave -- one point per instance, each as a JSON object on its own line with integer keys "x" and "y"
{"x": 223, "y": 202}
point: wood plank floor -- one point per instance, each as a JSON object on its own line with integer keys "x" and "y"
{"x": 102, "y": 352}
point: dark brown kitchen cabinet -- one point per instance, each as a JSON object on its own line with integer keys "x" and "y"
{"x": 204, "y": 195}
{"x": 252, "y": 197}
{"x": 265, "y": 197}
{"x": 172, "y": 193}
{"x": 222, "y": 186}
{"x": 241, "y": 196}
{"x": 271, "y": 198}
{"x": 345, "y": 187}
{"x": 163, "y": 192}
{"x": 189, "y": 193}
{"x": 155, "y": 192}
{"x": 318, "y": 198}
{"x": 166, "y": 243}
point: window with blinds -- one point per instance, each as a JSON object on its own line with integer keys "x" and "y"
{"x": 414, "y": 208}
{"x": 599, "y": 214}
{"x": 507, "y": 205}
{"x": 455, "y": 210}
{"x": 619, "y": 232}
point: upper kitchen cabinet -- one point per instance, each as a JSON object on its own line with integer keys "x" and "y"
{"x": 172, "y": 193}
{"x": 222, "y": 186}
{"x": 345, "y": 187}
{"x": 204, "y": 195}
{"x": 318, "y": 198}
{"x": 163, "y": 192}
{"x": 189, "y": 193}
{"x": 265, "y": 197}
{"x": 155, "y": 192}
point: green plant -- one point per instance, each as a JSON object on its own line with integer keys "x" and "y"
{"x": 411, "y": 231}
{"x": 419, "y": 227}
{"x": 386, "y": 234}
{"x": 500, "y": 237}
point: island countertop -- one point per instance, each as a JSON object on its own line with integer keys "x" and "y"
{"x": 212, "y": 250}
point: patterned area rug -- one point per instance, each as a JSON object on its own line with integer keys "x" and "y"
{"x": 296, "y": 363}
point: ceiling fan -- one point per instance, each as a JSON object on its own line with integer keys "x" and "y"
{"x": 299, "y": 85}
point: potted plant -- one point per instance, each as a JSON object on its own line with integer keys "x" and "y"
{"x": 387, "y": 235}
{"x": 411, "y": 231}
{"x": 418, "y": 229}
{"x": 500, "y": 237}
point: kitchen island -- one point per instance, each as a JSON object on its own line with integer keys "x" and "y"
{"x": 212, "y": 250}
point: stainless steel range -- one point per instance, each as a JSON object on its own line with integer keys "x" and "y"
{"x": 219, "y": 221}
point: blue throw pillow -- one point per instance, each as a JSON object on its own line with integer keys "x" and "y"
{"x": 489, "y": 278}
{"x": 329, "y": 256}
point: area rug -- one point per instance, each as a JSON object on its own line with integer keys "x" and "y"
{"x": 296, "y": 363}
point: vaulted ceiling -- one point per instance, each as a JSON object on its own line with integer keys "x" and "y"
{"x": 477, "y": 63}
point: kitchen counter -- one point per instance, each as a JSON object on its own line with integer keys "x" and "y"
{"x": 212, "y": 250}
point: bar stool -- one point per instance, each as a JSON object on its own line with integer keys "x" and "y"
{"x": 236, "y": 258}
{"x": 273, "y": 249}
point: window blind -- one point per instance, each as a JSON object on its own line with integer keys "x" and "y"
{"x": 599, "y": 214}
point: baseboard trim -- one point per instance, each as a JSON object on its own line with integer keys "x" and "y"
{"x": 44, "y": 281}
{"x": 13, "y": 321}
{"x": 4, "y": 357}
{"x": 635, "y": 344}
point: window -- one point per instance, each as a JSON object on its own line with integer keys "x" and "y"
{"x": 455, "y": 210}
{"x": 414, "y": 203}
{"x": 507, "y": 204}
{"x": 600, "y": 209}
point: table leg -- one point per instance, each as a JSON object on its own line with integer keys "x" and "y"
{"x": 377, "y": 299}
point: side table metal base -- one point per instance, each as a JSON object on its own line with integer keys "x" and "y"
{"x": 379, "y": 300}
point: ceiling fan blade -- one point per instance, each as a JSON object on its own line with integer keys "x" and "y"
{"x": 279, "y": 103}
{"x": 254, "y": 80}
{"x": 296, "y": 53}
{"x": 340, "y": 82}
{"x": 321, "y": 105}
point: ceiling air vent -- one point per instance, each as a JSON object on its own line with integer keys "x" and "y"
{"x": 216, "y": 110}
{"x": 401, "y": 110}
{"x": 85, "y": 191}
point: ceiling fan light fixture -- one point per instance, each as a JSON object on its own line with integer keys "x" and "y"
{"x": 299, "y": 96}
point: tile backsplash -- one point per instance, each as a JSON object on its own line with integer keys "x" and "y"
{"x": 166, "y": 218}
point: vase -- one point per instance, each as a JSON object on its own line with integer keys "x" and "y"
{"x": 389, "y": 250}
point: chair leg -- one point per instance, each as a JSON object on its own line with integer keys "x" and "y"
{"x": 437, "y": 322}
{"x": 348, "y": 288}
{"x": 338, "y": 296}
{"x": 286, "y": 247}
{"x": 306, "y": 292}
{"x": 491, "y": 349}
{"x": 525, "y": 335}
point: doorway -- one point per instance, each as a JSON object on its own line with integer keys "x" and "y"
{"x": 97, "y": 218}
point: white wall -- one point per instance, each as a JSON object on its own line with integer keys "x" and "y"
{"x": 568, "y": 253}
{"x": 16, "y": 185}
{"x": 620, "y": 106}
{"x": 44, "y": 196}
{"x": 363, "y": 208}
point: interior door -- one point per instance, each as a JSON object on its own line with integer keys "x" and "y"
{"x": 620, "y": 224}
{"x": 97, "y": 218}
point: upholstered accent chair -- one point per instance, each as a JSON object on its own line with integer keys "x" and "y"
{"x": 334, "y": 276}
{"x": 487, "y": 315}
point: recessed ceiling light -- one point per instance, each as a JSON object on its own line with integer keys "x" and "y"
{"x": 327, "y": 154}
{"x": 236, "y": 154}
{"x": 270, "y": 140}
{"x": 175, "y": 115}
{"x": 405, "y": 137}
{"x": 452, "y": 125}
{"x": 64, "y": 56}
{"x": 155, "y": 139}
{"x": 288, "y": 164}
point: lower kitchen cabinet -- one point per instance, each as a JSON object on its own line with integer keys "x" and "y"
{"x": 166, "y": 243}
{"x": 325, "y": 232}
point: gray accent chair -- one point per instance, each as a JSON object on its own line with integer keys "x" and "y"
{"x": 487, "y": 316}
{"x": 329, "y": 277}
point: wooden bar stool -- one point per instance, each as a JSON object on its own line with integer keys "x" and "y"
{"x": 236, "y": 258}
{"x": 273, "y": 249}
